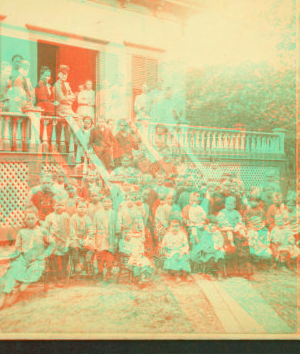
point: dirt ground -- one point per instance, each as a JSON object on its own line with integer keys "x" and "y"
{"x": 86, "y": 307}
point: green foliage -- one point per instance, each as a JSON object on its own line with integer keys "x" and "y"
{"x": 252, "y": 94}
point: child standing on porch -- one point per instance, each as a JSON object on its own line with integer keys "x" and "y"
{"x": 83, "y": 136}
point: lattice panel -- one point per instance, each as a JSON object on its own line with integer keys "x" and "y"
{"x": 249, "y": 175}
{"x": 49, "y": 167}
{"x": 13, "y": 192}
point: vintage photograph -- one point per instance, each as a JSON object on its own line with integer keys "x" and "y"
{"x": 149, "y": 169}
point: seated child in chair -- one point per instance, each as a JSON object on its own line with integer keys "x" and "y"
{"x": 228, "y": 218}
{"x": 235, "y": 237}
{"x": 207, "y": 246}
{"x": 134, "y": 245}
{"x": 175, "y": 247}
{"x": 258, "y": 234}
{"x": 283, "y": 244}
{"x": 276, "y": 210}
{"x": 293, "y": 215}
{"x": 33, "y": 245}
{"x": 81, "y": 234}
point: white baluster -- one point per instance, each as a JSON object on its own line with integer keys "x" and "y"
{"x": 53, "y": 136}
{"x": 248, "y": 143}
{"x": 192, "y": 139}
{"x": 24, "y": 142}
{"x": 62, "y": 143}
{"x": 237, "y": 143}
{"x": 226, "y": 141}
{"x": 214, "y": 145}
{"x": 269, "y": 143}
{"x": 187, "y": 138}
{"x": 219, "y": 144}
{"x": 19, "y": 134}
{"x": 44, "y": 136}
{"x": 263, "y": 145}
{"x": 253, "y": 145}
{"x": 203, "y": 145}
{"x": 6, "y": 137}
{"x": 258, "y": 144}
{"x": 198, "y": 144}
{"x": 208, "y": 145}
{"x": 1, "y": 132}
{"x": 231, "y": 146}
{"x": 242, "y": 142}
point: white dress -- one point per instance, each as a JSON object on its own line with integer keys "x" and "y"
{"x": 86, "y": 103}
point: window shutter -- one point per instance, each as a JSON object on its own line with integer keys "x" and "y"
{"x": 144, "y": 70}
{"x": 151, "y": 72}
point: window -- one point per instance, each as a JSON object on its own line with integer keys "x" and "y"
{"x": 144, "y": 71}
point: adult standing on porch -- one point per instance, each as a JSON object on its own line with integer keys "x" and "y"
{"x": 16, "y": 63}
{"x": 5, "y": 86}
{"x": 64, "y": 98}
{"x": 22, "y": 92}
{"x": 43, "y": 92}
{"x": 142, "y": 104}
{"x": 44, "y": 98}
{"x": 86, "y": 101}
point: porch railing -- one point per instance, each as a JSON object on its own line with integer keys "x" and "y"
{"x": 203, "y": 140}
{"x": 32, "y": 132}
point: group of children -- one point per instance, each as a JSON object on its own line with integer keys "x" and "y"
{"x": 162, "y": 220}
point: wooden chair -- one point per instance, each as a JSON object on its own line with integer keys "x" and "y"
{"x": 125, "y": 269}
{"x": 88, "y": 265}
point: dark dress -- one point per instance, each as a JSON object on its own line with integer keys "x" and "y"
{"x": 101, "y": 139}
{"x": 44, "y": 100}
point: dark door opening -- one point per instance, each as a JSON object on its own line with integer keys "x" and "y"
{"x": 82, "y": 63}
